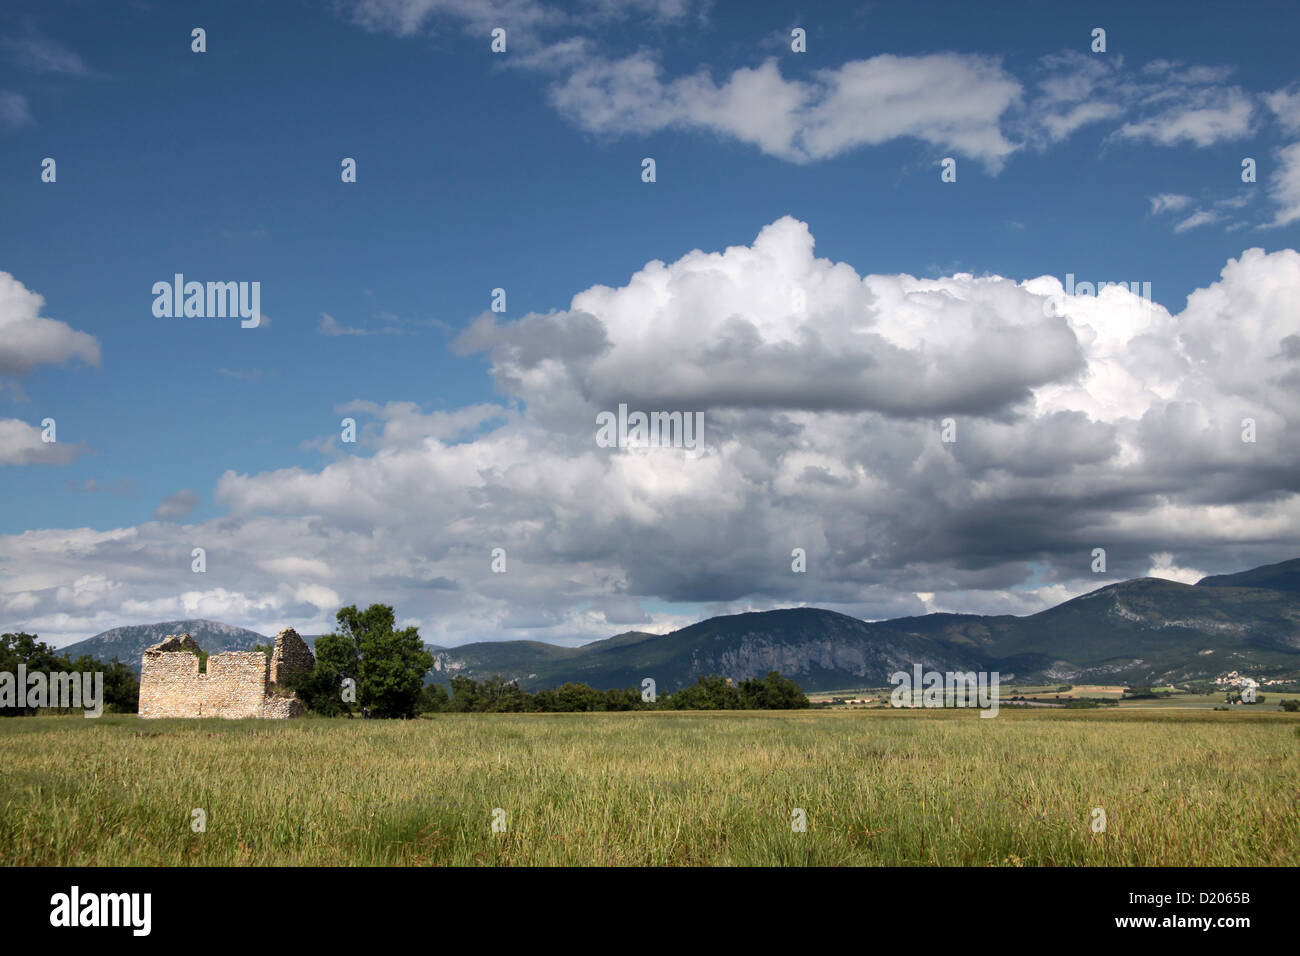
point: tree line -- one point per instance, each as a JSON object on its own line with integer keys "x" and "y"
{"x": 498, "y": 695}
{"x": 369, "y": 667}
{"x": 121, "y": 688}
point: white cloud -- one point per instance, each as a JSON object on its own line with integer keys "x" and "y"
{"x": 950, "y": 101}
{"x": 1117, "y": 425}
{"x": 14, "y": 111}
{"x": 1162, "y": 566}
{"x": 1284, "y": 186}
{"x": 1201, "y": 117}
{"x": 1168, "y": 202}
{"x": 177, "y": 506}
{"x": 1164, "y": 102}
{"x": 957, "y": 103}
{"x": 729, "y": 333}
{"x": 1218, "y": 210}
{"x": 1285, "y": 104}
{"x": 408, "y": 17}
{"x": 21, "y": 444}
{"x": 1061, "y": 126}
{"x": 27, "y": 339}
{"x": 1202, "y": 217}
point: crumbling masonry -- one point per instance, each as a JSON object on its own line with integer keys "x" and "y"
{"x": 236, "y": 684}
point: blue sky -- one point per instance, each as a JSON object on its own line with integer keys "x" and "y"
{"x": 522, "y": 171}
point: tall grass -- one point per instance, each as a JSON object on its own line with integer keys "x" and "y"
{"x": 660, "y": 788}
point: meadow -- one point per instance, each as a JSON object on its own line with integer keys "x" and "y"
{"x": 1178, "y": 787}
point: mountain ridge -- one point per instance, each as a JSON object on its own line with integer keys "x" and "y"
{"x": 1140, "y": 630}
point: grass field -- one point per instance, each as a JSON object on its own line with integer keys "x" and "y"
{"x": 658, "y": 788}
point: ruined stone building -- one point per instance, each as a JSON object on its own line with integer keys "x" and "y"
{"x": 235, "y": 684}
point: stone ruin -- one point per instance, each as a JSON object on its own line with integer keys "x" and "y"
{"x": 236, "y": 683}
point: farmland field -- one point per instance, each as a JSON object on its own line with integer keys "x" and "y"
{"x": 1178, "y": 787}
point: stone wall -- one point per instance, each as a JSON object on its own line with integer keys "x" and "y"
{"x": 291, "y": 656}
{"x": 236, "y": 684}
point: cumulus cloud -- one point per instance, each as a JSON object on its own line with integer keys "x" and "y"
{"x": 1081, "y": 421}
{"x": 22, "y": 444}
{"x": 772, "y": 326}
{"x": 27, "y": 339}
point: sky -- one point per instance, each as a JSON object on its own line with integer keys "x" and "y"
{"x": 868, "y": 257}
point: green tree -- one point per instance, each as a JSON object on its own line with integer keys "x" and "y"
{"x": 393, "y": 662}
{"x": 387, "y": 665}
{"x": 321, "y": 688}
{"x": 773, "y": 692}
{"x": 570, "y": 698}
{"x": 433, "y": 699}
{"x": 707, "y": 693}
{"x": 622, "y": 698}
{"x": 465, "y": 695}
{"x": 121, "y": 686}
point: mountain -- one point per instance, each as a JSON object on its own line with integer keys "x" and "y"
{"x": 128, "y": 643}
{"x": 1284, "y": 576}
{"x": 823, "y": 647}
{"x": 1140, "y": 631}
{"x": 1145, "y": 630}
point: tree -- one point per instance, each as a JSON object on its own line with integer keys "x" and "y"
{"x": 121, "y": 687}
{"x": 433, "y": 699}
{"x": 393, "y": 662}
{"x": 773, "y": 692}
{"x": 707, "y": 693}
{"x": 387, "y": 665}
{"x": 465, "y": 695}
{"x": 570, "y": 698}
{"x": 624, "y": 698}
